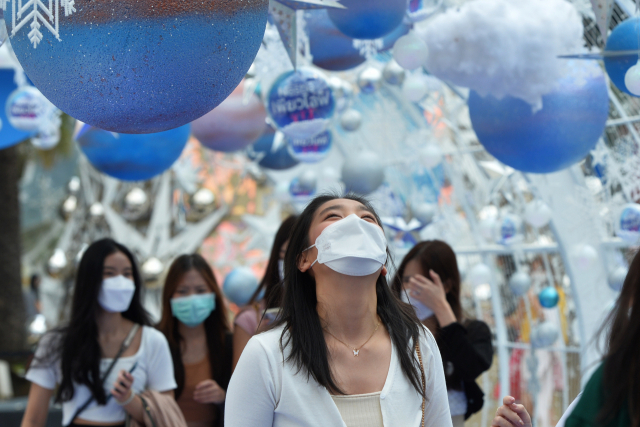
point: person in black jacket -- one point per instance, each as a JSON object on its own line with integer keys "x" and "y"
{"x": 429, "y": 279}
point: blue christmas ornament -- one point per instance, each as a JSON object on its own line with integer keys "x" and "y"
{"x": 301, "y": 103}
{"x": 368, "y": 19}
{"x": 509, "y": 229}
{"x": 137, "y": 66}
{"x": 132, "y": 157}
{"x": 623, "y": 37}
{"x": 269, "y": 156}
{"x": 562, "y": 133}
{"x": 628, "y": 227}
{"x": 299, "y": 190}
{"x": 8, "y": 134}
{"x": 331, "y": 49}
{"x": 240, "y": 285}
{"x": 311, "y": 150}
{"x": 548, "y": 297}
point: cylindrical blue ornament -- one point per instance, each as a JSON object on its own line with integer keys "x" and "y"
{"x": 549, "y": 297}
{"x": 368, "y": 19}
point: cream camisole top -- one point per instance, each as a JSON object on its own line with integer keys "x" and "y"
{"x": 360, "y": 410}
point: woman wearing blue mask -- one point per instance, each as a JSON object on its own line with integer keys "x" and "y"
{"x": 194, "y": 320}
{"x": 344, "y": 351}
{"x": 267, "y": 296}
{"x": 107, "y": 354}
{"x": 429, "y": 279}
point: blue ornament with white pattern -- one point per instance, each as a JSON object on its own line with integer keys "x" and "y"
{"x": 8, "y": 134}
{"x": 311, "y": 150}
{"x": 628, "y": 227}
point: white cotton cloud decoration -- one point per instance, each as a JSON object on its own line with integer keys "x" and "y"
{"x": 503, "y": 47}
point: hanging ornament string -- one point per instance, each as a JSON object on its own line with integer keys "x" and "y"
{"x": 356, "y": 351}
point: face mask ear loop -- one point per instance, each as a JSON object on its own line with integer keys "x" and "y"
{"x": 314, "y": 262}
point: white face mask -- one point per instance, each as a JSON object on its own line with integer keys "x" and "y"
{"x": 422, "y": 311}
{"x": 352, "y": 246}
{"x": 116, "y": 294}
{"x": 281, "y": 269}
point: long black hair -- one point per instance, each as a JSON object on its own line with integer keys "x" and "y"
{"x": 621, "y": 375}
{"x": 271, "y": 281}
{"x": 77, "y": 344}
{"x": 302, "y": 327}
{"x": 216, "y": 326}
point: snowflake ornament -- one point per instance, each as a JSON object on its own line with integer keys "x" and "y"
{"x": 38, "y": 14}
{"x": 368, "y": 48}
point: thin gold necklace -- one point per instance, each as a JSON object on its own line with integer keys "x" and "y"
{"x": 356, "y": 351}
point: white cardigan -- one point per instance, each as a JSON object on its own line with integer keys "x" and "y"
{"x": 265, "y": 391}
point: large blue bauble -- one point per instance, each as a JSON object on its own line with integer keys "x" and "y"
{"x": 563, "y": 132}
{"x": 332, "y": 50}
{"x": 623, "y": 37}
{"x": 240, "y": 285}
{"x": 142, "y": 66}
{"x": 132, "y": 157}
{"x": 549, "y": 297}
{"x": 8, "y": 134}
{"x": 368, "y": 19}
{"x": 300, "y": 103}
{"x": 280, "y": 159}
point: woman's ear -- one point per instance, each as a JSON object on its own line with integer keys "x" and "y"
{"x": 384, "y": 271}
{"x": 306, "y": 259}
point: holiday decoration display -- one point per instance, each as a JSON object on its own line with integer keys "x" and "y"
{"x": 363, "y": 172}
{"x": 351, "y": 120}
{"x": 233, "y": 125}
{"x": 136, "y": 67}
{"x": 132, "y": 157}
{"x": 624, "y": 37}
{"x": 410, "y": 51}
{"x": 370, "y": 80}
{"x": 26, "y": 109}
{"x": 628, "y": 225}
{"x": 563, "y": 132}
{"x": 368, "y": 19}
{"x": 544, "y": 335}
{"x": 310, "y": 150}
{"x": 271, "y": 151}
{"x": 519, "y": 283}
{"x": 548, "y": 297}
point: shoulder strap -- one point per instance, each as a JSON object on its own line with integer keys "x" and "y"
{"x": 424, "y": 380}
{"x": 123, "y": 347}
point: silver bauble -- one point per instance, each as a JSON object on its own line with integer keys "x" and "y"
{"x": 202, "y": 203}
{"x": 480, "y": 274}
{"x": 363, "y": 172}
{"x": 308, "y": 181}
{"x": 136, "y": 204}
{"x": 351, "y": 120}
{"x": 370, "y": 80}
{"x": 57, "y": 263}
{"x": 74, "y": 185}
{"x": 96, "y": 211}
{"x": 342, "y": 93}
{"x": 519, "y": 283}
{"x": 151, "y": 269}
{"x": 617, "y": 277}
{"x": 544, "y": 335}
{"x": 68, "y": 207}
{"x": 537, "y": 213}
{"x": 424, "y": 212}
{"x": 393, "y": 73}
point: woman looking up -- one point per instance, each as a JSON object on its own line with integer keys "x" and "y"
{"x": 102, "y": 359}
{"x": 194, "y": 320}
{"x": 344, "y": 351}
{"x": 429, "y": 275}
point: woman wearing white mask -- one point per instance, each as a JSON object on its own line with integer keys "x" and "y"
{"x": 429, "y": 279}
{"x": 194, "y": 320}
{"x": 107, "y": 354}
{"x": 267, "y": 296}
{"x": 343, "y": 351}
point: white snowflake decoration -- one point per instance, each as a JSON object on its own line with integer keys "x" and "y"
{"x": 38, "y": 14}
{"x": 368, "y": 48}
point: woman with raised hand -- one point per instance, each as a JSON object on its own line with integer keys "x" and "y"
{"x": 194, "y": 320}
{"x": 429, "y": 279}
{"x": 344, "y": 351}
{"x": 107, "y": 354}
{"x": 270, "y": 290}
{"x": 612, "y": 395}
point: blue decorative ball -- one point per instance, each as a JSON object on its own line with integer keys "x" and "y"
{"x": 549, "y": 297}
{"x": 138, "y": 66}
{"x": 628, "y": 227}
{"x": 368, "y": 19}
{"x": 262, "y": 149}
{"x": 562, "y": 133}
{"x": 8, "y": 134}
{"x": 132, "y": 157}
{"x": 331, "y": 49}
{"x": 623, "y": 37}
{"x": 301, "y": 103}
{"x": 240, "y": 285}
{"x": 311, "y": 150}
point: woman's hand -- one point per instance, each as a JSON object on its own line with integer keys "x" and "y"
{"x": 432, "y": 294}
{"x": 208, "y": 391}
{"x": 122, "y": 387}
{"x": 511, "y": 414}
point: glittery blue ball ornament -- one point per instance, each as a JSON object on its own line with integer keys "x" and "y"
{"x": 132, "y": 157}
{"x": 549, "y": 297}
{"x": 311, "y": 150}
{"x": 137, "y": 66}
{"x": 8, "y": 134}
{"x": 301, "y": 103}
{"x": 572, "y": 119}
{"x": 623, "y": 37}
{"x": 368, "y": 19}
{"x": 240, "y": 285}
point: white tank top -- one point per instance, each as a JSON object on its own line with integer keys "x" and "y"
{"x": 360, "y": 410}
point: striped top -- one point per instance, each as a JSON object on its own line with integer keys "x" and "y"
{"x": 360, "y": 410}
